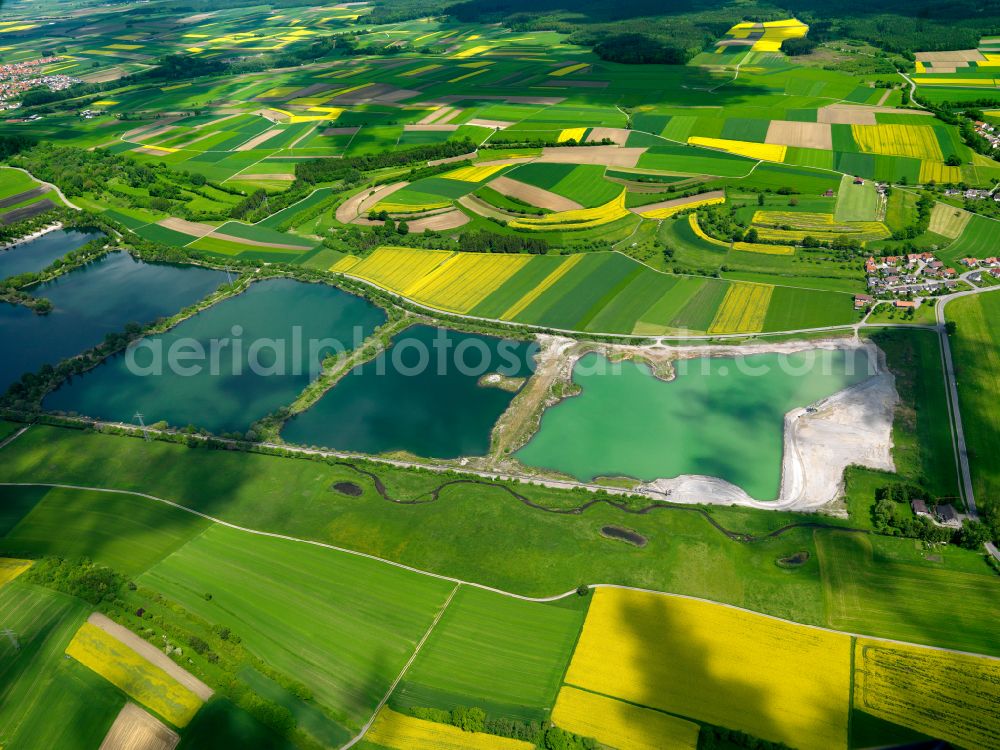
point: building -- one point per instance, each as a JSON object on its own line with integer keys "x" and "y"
{"x": 948, "y": 516}
{"x": 862, "y": 300}
{"x": 920, "y": 508}
{"x": 906, "y": 304}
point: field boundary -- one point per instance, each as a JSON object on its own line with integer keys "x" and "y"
{"x": 460, "y": 582}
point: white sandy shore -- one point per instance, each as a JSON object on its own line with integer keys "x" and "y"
{"x": 33, "y": 236}
{"x": 853, "y": 427}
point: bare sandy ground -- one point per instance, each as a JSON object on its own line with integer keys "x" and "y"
{"x": 150, "y": 129}
{"x": 858, "y": 114}
{"x": 134, "y": 729}
{"x": 679, "y": 201}
{"x": 256, "y": 243}
{"x": 955, "y": 55}
{"x": 439, "y": 116}
{"x": 439, "y": 222}
{"x": 431, "y": 127}
{"x": 192, "y": 228}
{"x": 618, "y": 135}
{"x": 536, "y": 196}
{"x": 496, "y": 124}
{"x": 152, "y": 654}
{"x": 259, "y": 139}
{"x": 358, "y": 205}
{"x": 450, "y": 159}
{"x": 610, "y": 156}
{"x": 804, "y": 134}
{"x": 151, "y": 151}
{"x": 265, "y": 176}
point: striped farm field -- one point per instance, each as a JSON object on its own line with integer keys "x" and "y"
{"x": 560, "y": 271}
{"x": 666, "y": 209}
{"x": 948, "y": 221}
{"x": 743, "y": 309}
{"x": 951, "y": 696}
{"x": 600, "y": 292}
{"x": 771, "y": 678}
{"x": 617, "y": 724}
{"x": 400, "y": 732}
{"x": 765, "y": 151}
{"x": 396, "y": 268}
{"x": 977, "y": 240}
{"x": 583, "y": 218}
{"x": 11, "y": 568}
{"x": 464, "y": 280}
{"x": 938, "y": 171}
{"x": 473, "y": 173}
{"x": 771, "y": 226}
{"x": 143, "y": 681}
{"x": 898, "y": 140}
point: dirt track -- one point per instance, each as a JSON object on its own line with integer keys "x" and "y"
{"x": 358, "y": 205}
{"x": 152, "y": 654}
{"x": 536, "y": 196}
{"x": 134, "y": 729}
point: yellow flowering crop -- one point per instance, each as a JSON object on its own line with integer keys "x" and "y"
{"x": 569, "y": 69}
{"x": 561, "y": 270}
{"x": 955, "y": 697}
{"x": 580, "y": 218}
{"x": 144, "y": 682}
{"x": 765, "y": 151}
{"x": 465, "y": 280}
{"x": 618, "y": 724}
{"x": 11, "y": 568}
{"x": 743, "y": 309}
{"x": 572, "y": 134}
{"x": 694, "y": 202}
{"x": 725, "y": 666}
{"x": 395, "y": 268}
{"x": 919, "y": 141}
{"x": 401, "y": 732}
{"x": 939, "y": 172}
{"x": 473, "y": 173}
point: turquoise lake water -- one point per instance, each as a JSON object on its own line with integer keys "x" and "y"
{"x": 713, "y": 419}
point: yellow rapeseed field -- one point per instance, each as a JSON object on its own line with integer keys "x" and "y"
{"x": 665, "y": 213}
{"x": 345, "y": 263}
{"x": 465, "y": 280}
{"x": 572, "y": 134}
{"x": 144, "y": 682}
{"x": 472, "y": 51}
{"x": 401, "y": 732}
{"x": 939, "y": 172}
{"x": 743, "y": 309}
{"x": 765, "y": 151}
{"x": 418, "y": 71}
{"x": 774, "y": 679}
{"x": 623, "y": 725}
{"x": 946, "y": 81}
{"x": 11, "y": 568}
{"x": 473, "y": 173}
{"x": 409, "y": 208}
{"x": 580, "y": 218}
{"x": 395, "y": 268}
{"x": 955, "y": 697}
{"x": 696, "y": 228}
{"x": 561, "y": 270}
{"x": 917, "y": 141}
{"x": 774, "y": 33}
{"x": 569, "y": 69}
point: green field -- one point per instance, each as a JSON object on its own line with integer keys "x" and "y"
{"x": 528, "y": 551}
{"x": 504, "y": 655}
{"x": 856, "y": 202}
{"x": 47, "y": 700}
{"x": 976, "y": 351}
{"x": 978, "y": 240}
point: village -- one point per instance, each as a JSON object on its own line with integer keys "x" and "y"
{"x": 17, "y": 78}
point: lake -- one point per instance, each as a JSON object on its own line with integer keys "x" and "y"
{"x": 261, "y": 340}
{"x": 393, "y": 403}
{"x": 39, "y": 253}
{"x": 714, "y": 418}
{"x": 91, "y": 302}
